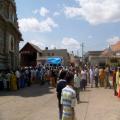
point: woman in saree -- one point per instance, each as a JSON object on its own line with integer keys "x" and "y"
{"x": 118, "y": 81}
{"x": 13, "y": 82}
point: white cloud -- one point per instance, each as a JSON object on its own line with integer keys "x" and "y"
{"x": 72, "y": 11}
{"x": 70, "y": 43}
{"x": 113, "y": 40}
{"x": 39, "y": 43}
{"x": 33, "y": 24}
{"x": 43, "y": 11}
{"x": 96, "y": 11}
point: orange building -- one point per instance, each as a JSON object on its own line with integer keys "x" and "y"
{"x": 112, "y": 53}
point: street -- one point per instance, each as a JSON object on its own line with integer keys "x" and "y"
{"x": 40, "y": 103}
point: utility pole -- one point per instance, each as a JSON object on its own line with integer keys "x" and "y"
{"x": 82, "y": 45}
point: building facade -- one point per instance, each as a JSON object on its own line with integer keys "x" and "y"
{"x": 112, "y": 54}
{"x": 61, "y": 53}
{"x": 109, "y": 56}
{"x": 29, "y": 55}
{"x": 32, "y": 55}
{"x": 95, "y": 58}
{"x": 9, "y": 35}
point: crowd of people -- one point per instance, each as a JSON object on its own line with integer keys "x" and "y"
{"x": 21, "y": 78}
{"x": 74, "y": 80}
{"x": 69, "y": 81}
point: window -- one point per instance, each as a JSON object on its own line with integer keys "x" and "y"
{"x": 10, "y": 12}
{"x": 12, "y": 15}
{"x": 1, "y": 41}
{"x": 11, "y": 43}
{"x": 6, "y": 10}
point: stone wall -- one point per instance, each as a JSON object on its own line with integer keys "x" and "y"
{"x": 9, "y": 35}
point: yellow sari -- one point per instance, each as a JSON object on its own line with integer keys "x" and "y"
{"x": 13, "y": 82}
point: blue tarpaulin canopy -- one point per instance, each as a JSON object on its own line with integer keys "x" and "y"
{"x": 55, "y": 60}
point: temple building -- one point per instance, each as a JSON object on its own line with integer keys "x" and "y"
{"x": 10, "y": 35}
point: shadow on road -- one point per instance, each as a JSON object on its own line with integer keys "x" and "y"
{"x": 87, "y": 90}
{"x": 32, "y": 91}
{"x": 84, "y": 102}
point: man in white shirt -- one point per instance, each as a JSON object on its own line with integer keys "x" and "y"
{"x": 83, "y": 79}
{"x": 77, "y": 85}
{"x": 96, "y": 76}
{"x": 91, "y": 72}
{"x": 68, "y": 98}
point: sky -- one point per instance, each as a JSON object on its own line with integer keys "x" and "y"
{"x": 69, "y": 23}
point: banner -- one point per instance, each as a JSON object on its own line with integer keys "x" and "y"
{"x": 54, "y": 60}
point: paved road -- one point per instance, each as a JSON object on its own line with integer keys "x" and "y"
{"x": 40, "y": 103}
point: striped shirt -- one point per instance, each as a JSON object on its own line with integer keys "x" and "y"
{"x": 68, "y": 101}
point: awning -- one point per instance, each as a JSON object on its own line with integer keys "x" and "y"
{"x": 55, "y": 60}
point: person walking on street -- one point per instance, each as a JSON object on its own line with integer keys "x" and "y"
{"x": 91, "y": 76}
{"x": 101, "y": 77}
{"x": 96, "y": 76}
{"x": 17, "y": 73}
{"x": 114, "y": 82}
{"x": 106, "y": 80}
{"x": 68, "y": 98}
{"x": 60, "y": 85}
{"x": 118, "y": 81}
{"x": 77, "y": 85}
{"x": 83, "y": 79}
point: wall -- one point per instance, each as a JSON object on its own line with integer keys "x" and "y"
{"x": 56, "y": 53}
{"x": 9, "y": 27}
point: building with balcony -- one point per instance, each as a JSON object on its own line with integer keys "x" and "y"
{"x": 10, "y": 35}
